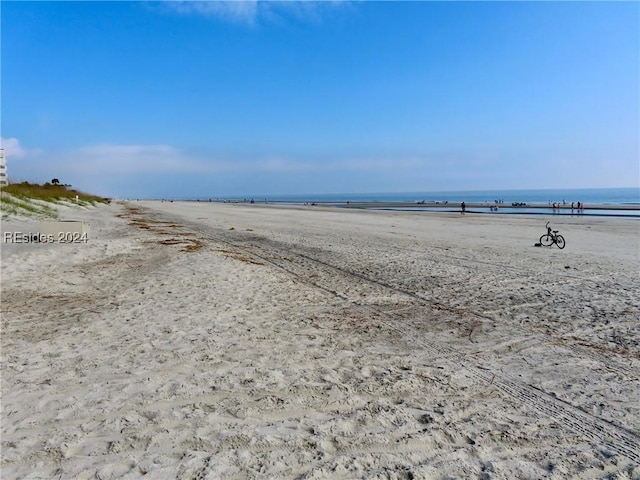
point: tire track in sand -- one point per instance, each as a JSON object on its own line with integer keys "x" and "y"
{"x": 298, "y": 264}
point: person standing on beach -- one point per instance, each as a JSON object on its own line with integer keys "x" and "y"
{"x": 463, "y": 208}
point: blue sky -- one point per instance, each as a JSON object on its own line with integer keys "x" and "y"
{"x": 211, "y": 99}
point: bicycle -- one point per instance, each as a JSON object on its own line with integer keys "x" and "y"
{"x": 551, "y": 237}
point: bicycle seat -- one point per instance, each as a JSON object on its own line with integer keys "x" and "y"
{"x": 555, "y": 231}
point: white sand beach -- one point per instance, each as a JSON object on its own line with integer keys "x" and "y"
{"x": 220, "y": 341}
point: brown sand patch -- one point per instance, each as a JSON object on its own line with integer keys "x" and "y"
{"x": 239, "y": 256}
{"x": 156, "y": 226}
{"x": 194, "y": 246}
{"x": 170, "y": 241}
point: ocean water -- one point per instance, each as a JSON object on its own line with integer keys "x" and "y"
{"x": 615, "y": 197}
{"x": 613, "y": 212}
{"x": 602, "y": 196}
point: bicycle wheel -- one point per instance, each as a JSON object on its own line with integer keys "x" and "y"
{"x": 546, "y": 240}
{"x": 560, "y": 241}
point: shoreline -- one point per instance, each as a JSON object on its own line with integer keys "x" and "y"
{"x": 407, "y": 205}
{"x": 488, "y": 205}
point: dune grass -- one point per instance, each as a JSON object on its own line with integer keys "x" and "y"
{"x": 32, "y": 199}
{"x": 23, "y": 206}
{"x": 50, "y": 193}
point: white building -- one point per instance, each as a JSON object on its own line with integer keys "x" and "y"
{"x": 4, "y": 180}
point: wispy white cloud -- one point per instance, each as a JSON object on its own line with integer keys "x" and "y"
{"x": 251, "y": 11}
{"x": 240, "y": 11}
{"x": 159, "y": 159}
{"x": 130, "y": 169}
{"x": 111, "y": 159}
{"x": 305, "y": 10}
{"x": 98, "y": 160}
{"x": 105, "y": 158}
{"x": 12, "y": 148}
{"x": 337, "y": 163}
{"x": 379, "y": 164}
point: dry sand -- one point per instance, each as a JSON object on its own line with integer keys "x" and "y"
{"x": 203, "y": 340}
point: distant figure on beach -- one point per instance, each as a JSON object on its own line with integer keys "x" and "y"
{"x": 463, "y": 208}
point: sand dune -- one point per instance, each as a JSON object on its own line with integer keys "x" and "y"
{"x": 204, "y": 340}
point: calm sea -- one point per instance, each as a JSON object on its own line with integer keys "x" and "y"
{"x": 616, "y": 197}
{"x": 605, "y": 196}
